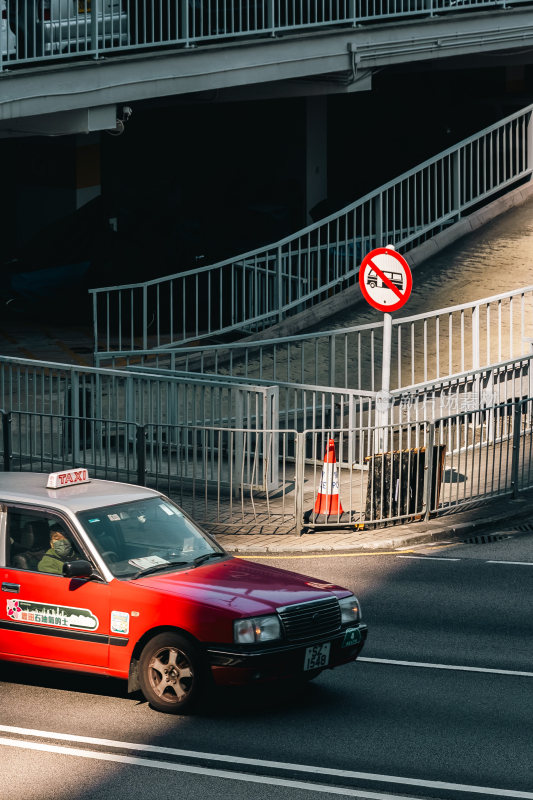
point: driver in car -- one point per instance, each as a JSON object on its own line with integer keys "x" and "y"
{"x": 61, "y": 550}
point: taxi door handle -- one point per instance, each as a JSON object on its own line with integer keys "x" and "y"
{"x": 11, "y": 587}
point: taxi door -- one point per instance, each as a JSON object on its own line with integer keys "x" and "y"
{"x": 47, "y": 617}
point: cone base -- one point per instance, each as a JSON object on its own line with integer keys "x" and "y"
{"x": 344, "y": 518}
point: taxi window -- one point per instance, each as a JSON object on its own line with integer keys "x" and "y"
{"x": 131, "y": 536}
{"x": 29, "y": 541}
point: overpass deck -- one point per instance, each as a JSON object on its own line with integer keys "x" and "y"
{"x": 326, "y": 55}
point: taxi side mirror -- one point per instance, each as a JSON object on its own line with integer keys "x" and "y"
{"x": 77, "y": 569}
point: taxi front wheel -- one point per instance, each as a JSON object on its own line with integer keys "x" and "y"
{"x": 171, "y": 672}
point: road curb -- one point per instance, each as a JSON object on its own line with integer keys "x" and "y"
{"x": 436, "y": 533}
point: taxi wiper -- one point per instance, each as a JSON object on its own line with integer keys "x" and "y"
{"x": 158, "y": 567}
{"x": 201, "y": 559}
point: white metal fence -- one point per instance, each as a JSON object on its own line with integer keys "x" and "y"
{"x": 252, "y": 291}
{"x": 223, "y": 476}
{"x": 140, "y": 398}
{"x": 58, "y": 394}
{"x": 426, "y": 347}
{"x": 40, "y": 30}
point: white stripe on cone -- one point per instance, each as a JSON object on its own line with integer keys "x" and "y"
{"x": 327, "y": 501}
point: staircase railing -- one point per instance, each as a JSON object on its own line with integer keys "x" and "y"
{"x": 252, "y": 291}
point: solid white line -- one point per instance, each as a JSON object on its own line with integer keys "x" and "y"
{"x": 210, "y": 773}
{"x": 310, "y": 769}
{"x": 491, "y": 671}
{"x": 521, "y": 563}
{"x": 431, "y": 558}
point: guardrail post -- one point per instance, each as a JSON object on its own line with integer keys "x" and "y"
{"x": 129, "y": 402}
{"x": 96, "y": 12}
{"x": 331, "y": 365}
{"x": 378, "y": 221}
{"x": 299, "y": 477}
{"x": 271, "y": 21}
{"x": 95, "y": 325}
{"x": 270, "y": 422}
{"x": 185, "y": 23}
{"x": 476, "y": 383}
{"x": 141, "y": 454}
{"x": 456, "y": 183}
{"x": 238, "y": 445}
{"x": 517, "y": 424}
{"x": 428, "y": 471}
{"x": 529, "y": 143}
{"x": 6, "y": 436}
{"x": 145, "y": 317}
{"x": 475, "y": 338}
{"x": 75, "y": 414}
{"x": 280, "y": 285}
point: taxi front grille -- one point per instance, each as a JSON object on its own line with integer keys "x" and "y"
{"x": 310, "y": 620}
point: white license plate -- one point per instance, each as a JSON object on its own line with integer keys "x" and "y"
{"x": 317, "y": 656}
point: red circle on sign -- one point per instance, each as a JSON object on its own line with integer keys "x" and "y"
{"x": 402, "y": 264}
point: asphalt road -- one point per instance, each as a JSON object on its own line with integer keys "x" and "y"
{"x": 439, "y": 706}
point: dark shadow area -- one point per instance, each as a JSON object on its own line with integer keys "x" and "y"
{"x": 452, "y": 476}
{"x": 63, "y": 680}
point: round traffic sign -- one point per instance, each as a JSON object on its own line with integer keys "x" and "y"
{"x": 385, "y": 279}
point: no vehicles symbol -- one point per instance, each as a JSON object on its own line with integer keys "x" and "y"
{"x": 385, "y": 279}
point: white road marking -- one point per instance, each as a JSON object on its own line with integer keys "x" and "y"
{"x": 252, "y": 778}
{"x": 428, "y": 665}
{"x": 210, "y": 773}
{"x": 431, "y": 558}
{"x": 447, "y": 558}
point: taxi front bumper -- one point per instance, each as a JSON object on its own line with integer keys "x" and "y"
{"x": 238, "y": 665}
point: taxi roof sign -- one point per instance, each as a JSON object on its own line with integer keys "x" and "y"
{"x": 68, "y": 477}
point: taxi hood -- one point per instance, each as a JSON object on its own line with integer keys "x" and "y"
{"x": 243, "y": 587}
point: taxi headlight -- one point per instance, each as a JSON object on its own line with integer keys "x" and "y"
{"x": 257, "y": 629}
{"x": 350, "y": 609}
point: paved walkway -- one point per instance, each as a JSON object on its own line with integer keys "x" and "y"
{"x": 498, "y": 514}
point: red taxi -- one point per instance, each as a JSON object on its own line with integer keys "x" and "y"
{"x": 115, "y": 579}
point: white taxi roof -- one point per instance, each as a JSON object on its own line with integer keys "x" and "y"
{"x": 30, "y": 487}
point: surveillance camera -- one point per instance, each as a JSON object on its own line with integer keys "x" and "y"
{"x": 127, "y": 111}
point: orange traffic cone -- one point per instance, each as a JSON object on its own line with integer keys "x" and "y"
{"x": 327, "y": 500}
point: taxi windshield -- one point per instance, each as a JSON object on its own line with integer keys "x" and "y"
{"x": 146, "y": 536}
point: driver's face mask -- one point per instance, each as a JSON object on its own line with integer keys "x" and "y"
{"x": 63, "y": 548}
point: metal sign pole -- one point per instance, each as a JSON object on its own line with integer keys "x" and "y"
{"x": 383, "y": 412}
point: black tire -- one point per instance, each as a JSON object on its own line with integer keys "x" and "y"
{"x": 172, "y": 673}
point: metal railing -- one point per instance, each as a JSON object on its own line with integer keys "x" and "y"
{"x": 485, "y": 388}
{"x": 221, "y": 475}
{"x": 426, "y": 347}
{"x": 141, "y": 398}
{"x": 145, "y": 396}
{"x": 60, "y": 391}
{"x": 40, "y": 30}
{"x": 254, "y": 290}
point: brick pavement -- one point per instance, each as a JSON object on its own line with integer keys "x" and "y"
{"x": 497, "y": 514}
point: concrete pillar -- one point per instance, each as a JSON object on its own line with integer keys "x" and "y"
{"x": 87, "y": 169}
{"x": 316, "y": 157}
